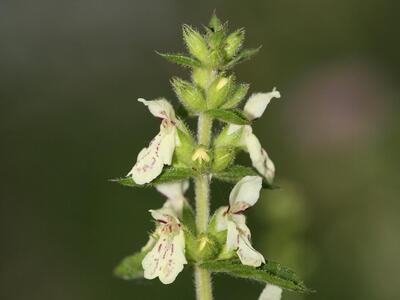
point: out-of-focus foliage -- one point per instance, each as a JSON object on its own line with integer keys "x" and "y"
{"x": 70, "y": 76}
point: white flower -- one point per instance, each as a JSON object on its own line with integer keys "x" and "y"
{"x": 167, "y": 257}
{"x": 151, "y": 160}
{"x": 174, "y": 192}
{"x": 254, "y": 109}
{"x": 271, "y": 292}
{"x": 244, "y": 195}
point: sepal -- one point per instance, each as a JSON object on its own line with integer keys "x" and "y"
{"x": 184, "y": 149}
{"x": 188, "y": 218}
{"x": 215, "y": 23}
{"x": 227, "y": 139}
{"x": 242, "y": 56}
{"x": 218, "y": 91}
{"x": 233, "y": 43}
{"x": 203, "y": 77}
{"x": 196, "y": 44}
{"x": 237, "y": 96}
{"x": 223, "y": 157}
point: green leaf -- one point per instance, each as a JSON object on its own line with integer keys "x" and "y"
{"x": 169, "y": 174}
{"x": 234, "y": 173}
{"x": 232, "y": 116}
{"x": 271, "y": 272}
{"x": 181, "y": 59}
{"x": 244, "y": 55}
{"x": 131, "y": 266}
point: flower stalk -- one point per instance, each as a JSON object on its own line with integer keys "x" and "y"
{"x": 202, "y": 195}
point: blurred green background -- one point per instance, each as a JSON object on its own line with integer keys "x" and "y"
{"x": 70, "y": 74}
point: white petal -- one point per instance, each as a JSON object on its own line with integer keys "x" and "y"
{"x": 173, "y": 190}
{"x": 151, "y": 160}
{"x": 167, "y": 145}
{"x": 247, "y": 254}
{"x": 257, "y": 103}
{"x": 175, "y": 193}
{"x": 160, "y": 108}
{"x": 245, "y": 193}
{"x": 221, "y": 218}
{"x": 258, "y": 155}
{"x": 164, "y": 215}
{"x": 232, "y": 236}
{"x": 233, "y": 128}
{"x": 166, "y": 259}
{"x": 271, "y": 292}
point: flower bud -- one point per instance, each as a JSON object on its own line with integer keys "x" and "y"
{"x": 203, "y": 77}
{"x": 215, "y": 23}
{"x": 216, "y": 38}
{"x": 189, "y": 95}
{"x": 201, "y": 158}
{"x": 216, "y": 58}
{"x": 195, "y": 44}
{"x": 233, "y": 43}
{"x": 200, "y": 155}
{"x": 218, "y": 91}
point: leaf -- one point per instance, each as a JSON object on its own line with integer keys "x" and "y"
{"x": 234, "y": 173}
{"x": 271, "y": 272}
{"x": 131, "y": 266}
{"x": 233, "y": 116}
{"x": 243, "y": 55}
{"x": 169, "y": 174}
{"x": 181, "y": 59}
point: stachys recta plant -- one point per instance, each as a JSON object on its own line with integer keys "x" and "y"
{"x": 186, "y": 235}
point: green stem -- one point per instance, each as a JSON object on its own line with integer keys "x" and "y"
{"x": 202, "y": 191}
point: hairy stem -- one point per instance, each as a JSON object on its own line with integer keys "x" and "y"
{"x": 202, "y": 190}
